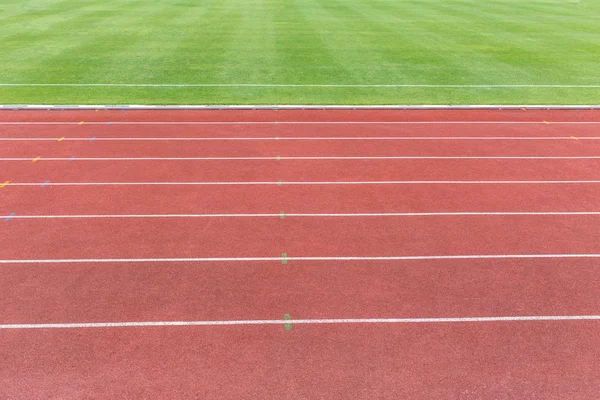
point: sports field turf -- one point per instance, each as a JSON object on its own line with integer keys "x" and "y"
{"x": 302, "y": 42}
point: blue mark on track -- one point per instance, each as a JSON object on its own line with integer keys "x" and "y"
{"x": 71, "y": 159}
{"x": 9, "y": 217}
{"x": 45, "y": 183}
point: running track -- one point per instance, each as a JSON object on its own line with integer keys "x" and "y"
{"x": 295, "y": 254}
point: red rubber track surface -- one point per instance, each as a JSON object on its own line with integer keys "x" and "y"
{"x": 555, "y": 359}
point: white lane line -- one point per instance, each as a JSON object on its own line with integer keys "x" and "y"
{"x": 518, "y": 318}
{"x": 306, "y": 138}
{"x": 278, "y": 215}
{"x": 307, "y": 158}
{"x": 309, "y": 85}
{"x": 281, "y": 183}
{"x": 239, "y": 259}
{"x": 78, "y": 123}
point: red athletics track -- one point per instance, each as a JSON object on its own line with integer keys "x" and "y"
{"x": 541, "y": 214}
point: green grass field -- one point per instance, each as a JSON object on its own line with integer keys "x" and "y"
{"x": 303, "y": 42}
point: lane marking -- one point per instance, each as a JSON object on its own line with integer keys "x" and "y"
{"x": 4, "y": 184}
{"x": 61, "y": 139}
{"x": 35, "y": 159}
{"x": 307, "y": 85}
{"x": 288, "y": 325}
{"x": 8, "y": 218}
{"x": 311, "y": 158}
{"x": 519, "y": 318}
{"x": 282, "y": 215}
{"x": 315, "y": 183}
{"x": 303, "y": 123}
{"x": 308, "y": 138}
{"x": 285, "y": 258}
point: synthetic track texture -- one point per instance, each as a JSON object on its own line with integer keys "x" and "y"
{"x": 406, "y": 326}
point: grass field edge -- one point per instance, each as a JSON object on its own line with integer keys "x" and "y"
{"x": 295, "y": 107}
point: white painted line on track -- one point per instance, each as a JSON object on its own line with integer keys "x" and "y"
{"x": 307, "y": 158}
{"x": 537, "y": 182}
{"x": 341, "y": 258}
{"x": 77, "y": 123}
{"x": 309, "y": 85}
{"x": 307, "y": 138}
{"x": 327, "y": 215}
{"x": 519, "y": 318}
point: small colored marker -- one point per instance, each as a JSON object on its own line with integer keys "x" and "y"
{"x": 80, "y": 123}
{"x": 4, "y": 184}
{"x": 45, "y": 183}
{"x": 36, "y": 159}
{"x": 277, "y": 138}
{"x": 71, "y": 159}
{"x": 279, "y": 183}
{"x": 284, "y": 258}
{"x": 61, "y": 139}
{"x": 92, "y": 138}
{"x": 281, "y": 215}
{"x": 278, "y": 158}
{"x": 547, "y": 123}
{"x": 9, "y": 217}
{"x": 287, "y": 317}
{"x": 574, "y": 138}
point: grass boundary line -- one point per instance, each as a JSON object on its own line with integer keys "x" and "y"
{"x": 297, "y": 107}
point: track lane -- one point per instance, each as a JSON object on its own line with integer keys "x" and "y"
{"x": 118, "y": 292}
{"x": 299, "y": 170}
{"x": 551, "y": 360}
{"x": 433, "y": 115}
{"x": 299, "y": 237}
{"x": 289, "y": 148}
{"x": 64, "y": 200}
{"x": 269, "y": 129}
